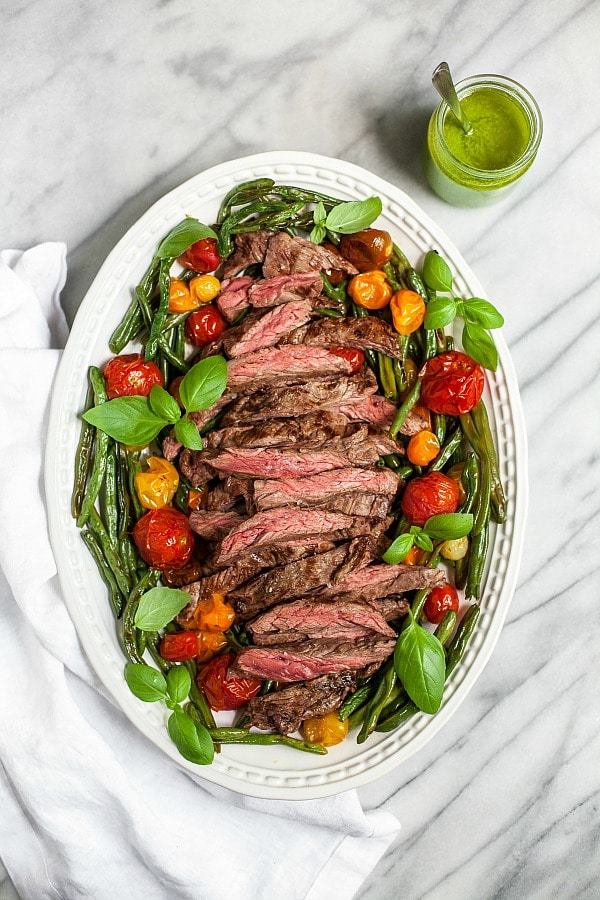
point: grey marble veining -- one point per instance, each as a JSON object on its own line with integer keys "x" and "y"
{"x": 104, "y": 109}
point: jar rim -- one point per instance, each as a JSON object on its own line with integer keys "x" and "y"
{"x": 526, "y": 102}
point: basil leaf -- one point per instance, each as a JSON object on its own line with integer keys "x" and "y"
{"x": 146, "y": 683}
{"x": 482, "y": 312}
{"x": 423, "y": 541}
{"x": 420, "y": 664}
{"x": 436, "y": 272}
{"x": 480, "y": 346}
{"x": 181, "y": 237}
{"x": 190, "y": 737}
{"x": 320, "y": 213}
{"x": 129, "y": 420}
{"x": 187, "y": 434}
{"x": 318, "y": 234}
{"x": 163, "y": 404}
{"x": 448, "y": 526}
{"x": 440, "y": 312}
{"x": 179, "y": 682}
{"x": 354, "y": 215}
{"x": 396, "y": 552}
{"x": 158, "y": 607}
{"x": 204, "y": 384}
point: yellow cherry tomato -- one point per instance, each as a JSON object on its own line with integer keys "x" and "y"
{"x": 203, "y": 289}
{"x": 179, "y": 297}
{"x": 423, "y": 448}
{"x": 455, "y": 473}
{"x": 326, "y": 730}
{"x": 371, "y": 290}
{"x": 214, "y": 614}
{"x": 157, "y": 485}
{"x": 210, "y": 643}
{"x": 455, "y": 549}
{"x": 408, "y": 311}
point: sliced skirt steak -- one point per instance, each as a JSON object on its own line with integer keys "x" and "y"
{"x": 285, "y": 710}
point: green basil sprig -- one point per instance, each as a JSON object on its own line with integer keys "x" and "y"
{"x": 136, "y": 421}
{"x": 158, "y": 607}
{"x": 180, "y": 238}
{"x": 345, "y": 218}
{"x": 420, "y": 663}
{"x": 445, "y": 527}
{"x": 479, "y": 315}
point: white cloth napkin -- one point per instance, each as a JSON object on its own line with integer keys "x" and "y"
{"x": 88, "y": 807}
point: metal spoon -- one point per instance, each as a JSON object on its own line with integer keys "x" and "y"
{"x": 442, "y": 82}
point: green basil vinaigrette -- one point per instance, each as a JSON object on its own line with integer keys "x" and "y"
{"x": 500, "y": 131}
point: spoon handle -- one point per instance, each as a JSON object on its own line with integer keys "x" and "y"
{"x": 442, "y": 82}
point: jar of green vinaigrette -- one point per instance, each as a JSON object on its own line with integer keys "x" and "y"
{"x": 481, "y": 167}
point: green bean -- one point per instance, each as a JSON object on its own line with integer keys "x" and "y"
{"x": 98, "y": 469}
{"x": 405, "y": 472}
{"x": 431, "y": 344}
{"x": 438, "y": 422}
{"x": 198, "y": 699}
{"x": 96, "y": 525}
{"x": 379, "y": 700}
{"x": 243, "y": 193}
{"x": 393, "y": 461}
{"x": 160, "y": 316}
{"x": 128, "y": 628}
{"x": 405, "y": 712}
{"x": 400, "y": 375}
{"x": 390, "y": 274}
{"x": 421, "y": 595}
{"x": 406, "y": 406}
{"x": 356, "y": 699}
{"x": 289, "y": 192}
{"x": 477, "y": 554}
{"x": 444, "y": 630}
{"x": 134, "y": 467}
{"x": 482, "y": 424}
{"x": 416, "y": 283}
{"x": 470, "y": 481}
{"x": 84, "y": 456}
{"x": 114, "y": 594}
{"x": 330, "y": 313}
{"x": 458, "y": 645}
{"x": 111, "y": 513}
{"x": 335, "y": 292}
{"x": 461, "y": 569}
{"x": 241, "y": 736}
{"x": 386, "y": 375}
{"x": 130, "y": 326}
{"x": 152, "y": 643}
{"x": 446, "y": 452}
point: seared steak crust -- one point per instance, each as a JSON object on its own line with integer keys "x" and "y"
{"x": 285, "y": 710}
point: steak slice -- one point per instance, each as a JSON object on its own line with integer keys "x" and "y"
{"x": 362, "y": 332}
{"x": 272, "y": 462}
{"x": 283, "y": 288}
{"x": 318, "y": 489}
{"x": 375, "y": 409}
{"x": 171, "y": 446}
{"x": 233, "y": 298}
{"x": 227, "y": 494}
{"x": 259, "y": 330}
{"x": 214, "y": 525}
{"x": 300, "y": 619}
{"x": 313, "y": 430}
{"x": 289, "y": 364}
{"x": 302, "y": 577}
{"x": 382, "y": 580}
{"x": 298, "y": 400}
{"x": 285, "y": 710}
{"x": 248, "y": 249}
{"x": 286, "y": 254}
{"x": 279, "y": 526}
{"x": 309, "y": 659}
{"x": 195, "y": 467}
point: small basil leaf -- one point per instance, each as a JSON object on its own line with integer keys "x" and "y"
{"x": 320, "y": 213}
{"x": 181, "y": 237}
{"x": 448, "y": 526}
{"x": 423, "y": 541}
{"x": 420, "y": 664}
{"x": 482, "y": 312}
{"x": 187, "y": 434}
{"x": 396, "y": 552}
{"x": 146, "y": 683}
{"x": 440, "y": 312}
{"x": 129, "y": 420}
{"x": 354, "y": 215}
{"x": 204, "y": 384}
{"x": 480, "y": 346}
{"x": 158, "y": 607}
{"x": 318, "y": 234}
{"x": 179, "y": 682}
{"x": 163, "y": 404}
{"x": 190, "y": 737}
{"x": 436, "y": 272}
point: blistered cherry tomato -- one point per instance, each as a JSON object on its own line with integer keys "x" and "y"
{"x": 452, "y": 383}
{"x": 440, "y": 600}
{"x": 130, "y": 375}
{"x": 223, "y": 692}
{"x": 326, "y": 730}
{"x": 180, "y": 646}
{"x": 179, "y": 297}
{"x": 209, "y": 644}
{"x": 214, "y": 614}
{"x": 408, "y": 311}
{"x": 422, "y": 448}
{"x": 429, "y": 495}
{"x": 164, "y": 538}
{"x": 371, "y": 290}
{"x": 354, "y": 356}
{"x": 367, "y": 249}
{"x": 204, "y": 288}
{"x": 204, "y": 326}
{"x": 202, "y": 256}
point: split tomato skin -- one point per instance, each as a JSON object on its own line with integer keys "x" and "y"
{"x": 202, "y": 257}
{"x": 439, "y": 601}
{"x": 429, "y": 495}
{"x": 164, "y": 538}
{"x": 353, "y": 355}
{"x": 179, "y": 647}
{"x": 222, "y": 692}
{"x": 130, "y": 375}
{"x": 452, "y": 383}
{"x": 204, "y": 325}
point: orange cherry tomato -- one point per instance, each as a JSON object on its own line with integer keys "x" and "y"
{"x": 180, "y": 646}
{"x": 326, "y": 730}
{"x": 223, "y": 692}
{"x": 408, "y": 311}
{"x": 413, "y": 557}
{"x": 210, "y": 643}
{"x": 180, "y": 299}
{"x": 429, "y": 495}
{"x": 157, "y": 485}
{"x": 196, "y": 499}
{"x": 130, "y": 375}
{"x": 214, "y": 614}
{"x": 423, "y": 448}
{"x": 371, "y": 290}
{"x": 164, "y": 538}
{"x": 203, "y": 289}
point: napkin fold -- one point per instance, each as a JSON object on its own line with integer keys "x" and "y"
{"x": 90, "y": 807}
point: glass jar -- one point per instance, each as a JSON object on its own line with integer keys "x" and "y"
{"x": 481, "y": 167}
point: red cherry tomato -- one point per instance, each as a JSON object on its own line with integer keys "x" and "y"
{"x": 429, "y": 495}
{"x": 452, "y": 383}
{"x": 439, "y": 601}
{"x": 204, "y": 326}
{"x": 202, "y": 256}
{"x": 164, "y": 538}
{"x": 354, "y": 356}
{"x": 130, "y": 375}
{"x": 180, "y": 646}
{"x": 223, "y": 692}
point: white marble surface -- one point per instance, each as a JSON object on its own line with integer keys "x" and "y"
{"x": 105, "y": 108}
